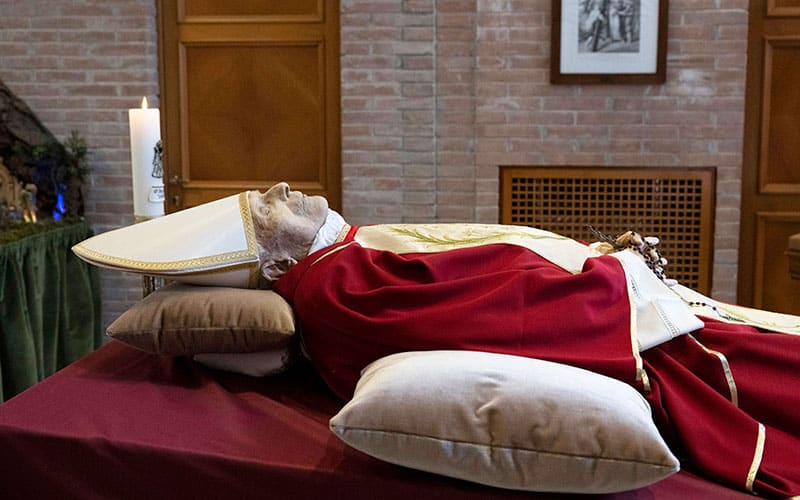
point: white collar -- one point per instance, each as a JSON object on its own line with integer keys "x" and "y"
{"x": 329, "y": 232}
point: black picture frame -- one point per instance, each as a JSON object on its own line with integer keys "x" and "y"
{"x": 609, "y": 41}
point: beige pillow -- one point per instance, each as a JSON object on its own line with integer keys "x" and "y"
{"x": 505, "y": 421}
{"x": 182, "y": 319}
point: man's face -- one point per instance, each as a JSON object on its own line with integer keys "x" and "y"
{"x": 286, "y": 221}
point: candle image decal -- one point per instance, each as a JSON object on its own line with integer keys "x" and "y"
{"x": 148, "y": 183}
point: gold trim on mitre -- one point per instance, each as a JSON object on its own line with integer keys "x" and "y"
{"x": 209, "y": 244}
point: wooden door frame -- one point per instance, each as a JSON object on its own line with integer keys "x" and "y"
{"x": 751, "y": 144}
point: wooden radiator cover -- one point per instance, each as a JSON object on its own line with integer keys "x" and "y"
{"x": 674, "y": 204}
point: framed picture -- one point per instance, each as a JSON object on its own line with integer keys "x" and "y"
{"x": 609, "y": 41}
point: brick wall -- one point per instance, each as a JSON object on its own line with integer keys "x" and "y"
{"x": 435, "y": 95}
{"x": 79, "y": 65}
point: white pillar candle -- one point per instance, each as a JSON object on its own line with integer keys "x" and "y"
{"x": 148, "y": 189}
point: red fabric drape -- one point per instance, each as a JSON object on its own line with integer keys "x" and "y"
{"x": 356, "y": 305}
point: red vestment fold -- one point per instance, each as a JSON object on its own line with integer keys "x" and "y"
{"x": 355, "y": 305}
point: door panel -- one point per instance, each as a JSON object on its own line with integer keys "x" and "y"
{"x": 249, "y": 97}
{"x": 783, "y": 7}
{"x": 771, "y": 157}
{"x": 265, "y": 100}
{"x": 774, "y": 287}
{"x": 250, "y": 9}
{"x": 780, "y": 148}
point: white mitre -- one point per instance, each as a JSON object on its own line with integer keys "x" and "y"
{"x": 210, "y": 244}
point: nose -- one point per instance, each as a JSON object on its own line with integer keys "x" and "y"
{"x": 279, "y": 191}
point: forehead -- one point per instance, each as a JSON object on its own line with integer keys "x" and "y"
{"x": 260, "y": 200}
{"x": 268, "y": 197}
{"x": 268, "y": 212}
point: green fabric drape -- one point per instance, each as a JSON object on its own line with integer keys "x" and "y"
{"x": 49, "y": 307}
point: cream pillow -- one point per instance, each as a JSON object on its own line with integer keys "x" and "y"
{"x": 254, "y": 364}
{"x": 505, "y": 421}
{"x": 182, "y": 319}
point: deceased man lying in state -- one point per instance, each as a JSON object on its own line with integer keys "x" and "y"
{"x": 722, "y": 380}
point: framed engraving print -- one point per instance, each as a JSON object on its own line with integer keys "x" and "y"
{"x": 609, "y": 41}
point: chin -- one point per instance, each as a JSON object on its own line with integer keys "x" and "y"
{"x": 320, "y": 205}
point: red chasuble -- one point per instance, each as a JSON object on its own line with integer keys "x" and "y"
{"x": 355, "y": 305}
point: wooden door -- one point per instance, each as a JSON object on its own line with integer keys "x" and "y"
{"x": 249, "y": 97}
{"x": 771, "y": 168}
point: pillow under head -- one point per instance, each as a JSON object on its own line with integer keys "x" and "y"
{"x": 181, "y": 319}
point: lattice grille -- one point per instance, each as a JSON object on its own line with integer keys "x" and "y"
{"x": 677, "y": 205}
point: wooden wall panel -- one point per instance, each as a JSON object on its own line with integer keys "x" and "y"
{"x": 774, "y": 289}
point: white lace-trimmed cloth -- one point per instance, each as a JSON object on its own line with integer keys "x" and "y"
{"x": 645, "y": 246}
